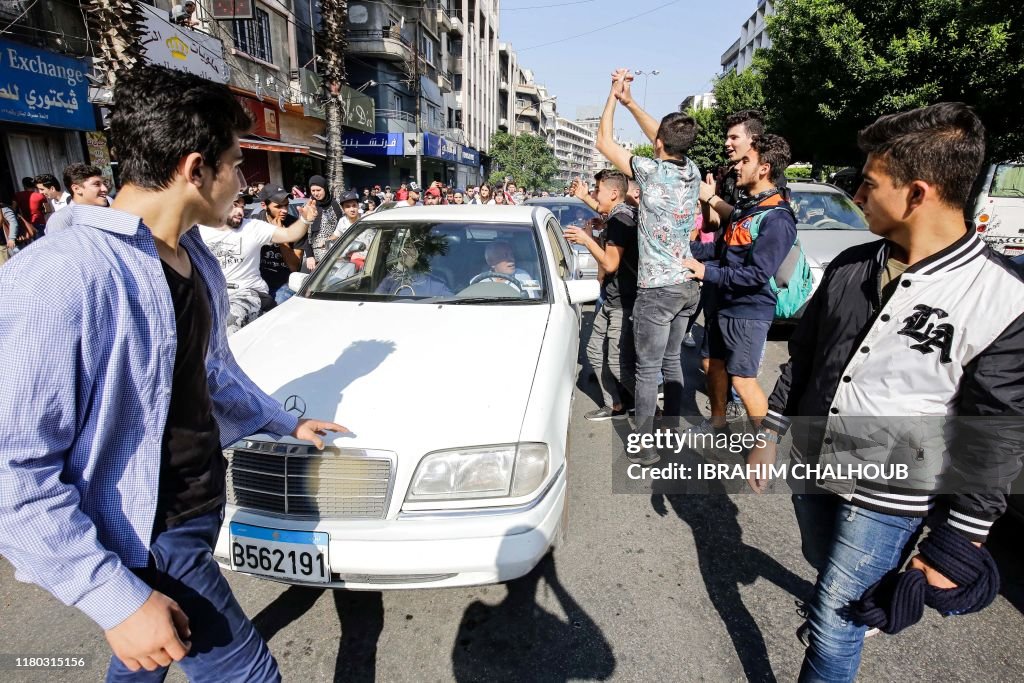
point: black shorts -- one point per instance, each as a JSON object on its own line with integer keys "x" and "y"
{"x": 739, "y": 342}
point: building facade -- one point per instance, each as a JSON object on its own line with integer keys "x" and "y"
{"x": 574, "y": 150}
{"x": 697, "y": 102}
{"x": 753, "y": 36}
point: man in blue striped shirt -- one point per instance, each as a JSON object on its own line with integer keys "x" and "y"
{"x": 111, "y": 475}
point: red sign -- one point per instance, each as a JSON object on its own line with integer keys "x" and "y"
{"x": 265, "y": 121}
{"x": 232, "y": 9}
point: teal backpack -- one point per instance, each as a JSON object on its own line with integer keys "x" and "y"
{"x": 792, "y": 283}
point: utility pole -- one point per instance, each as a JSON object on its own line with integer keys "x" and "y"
{"x": 417, "y": 89}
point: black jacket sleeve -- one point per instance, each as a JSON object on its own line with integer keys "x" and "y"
{"x": 987, "y": 438}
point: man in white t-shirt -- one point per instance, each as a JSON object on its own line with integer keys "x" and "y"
{"x": 237, "y": 245}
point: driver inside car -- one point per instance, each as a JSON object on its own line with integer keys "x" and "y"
{"x": 811, "y": 211}
{"x": 410, "y": 276}
{"x": 501, "y": 261}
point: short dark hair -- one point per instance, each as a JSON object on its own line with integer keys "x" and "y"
{"x": 677, "y": 132}
{"x": 160, "y": 116}
{"x": 28, "y": 183}
{"x": 750, "y": 119}
{"x": 614, "y": 179}
{"x": 47, "y": 180}
{"x": 943, "y": 145}
{"x": 76, "y": 174}
{"x": 774, "y": 151}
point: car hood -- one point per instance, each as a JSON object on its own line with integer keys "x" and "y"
{"x": 822, "y": 246}
{"x": 400, "y": 375}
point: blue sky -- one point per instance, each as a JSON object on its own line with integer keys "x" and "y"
{"x": 684, "y": 41}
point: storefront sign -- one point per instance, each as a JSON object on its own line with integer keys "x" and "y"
{"x": 356, "y": 108}
{"x": 99, "y": 155}
{"x": 469, "y": 156}
{"x": 374, "y": 144}
{"x": 176, "y": 47}
{"x": 44, "y": 88}
{"x": 265, "y": 122}
{"x": 440, "y": 148}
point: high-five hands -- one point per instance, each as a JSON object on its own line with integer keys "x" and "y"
{"x": 621, "y": 79}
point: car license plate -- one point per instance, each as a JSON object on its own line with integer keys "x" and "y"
{"x": 299, "y": 555}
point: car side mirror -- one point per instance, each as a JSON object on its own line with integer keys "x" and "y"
{"x": 582, "y": 291}
{"x": 296, "y": 280}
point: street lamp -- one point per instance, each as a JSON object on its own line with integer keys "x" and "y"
{"x": 540, "y": 111}
{"x": 646, "y": 75}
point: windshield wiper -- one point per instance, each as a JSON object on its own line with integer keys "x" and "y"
{"x": 487, "y": 300}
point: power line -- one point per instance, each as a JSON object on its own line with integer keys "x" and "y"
{"x": 600, "y": 28}
{"x": 14, "y": 21}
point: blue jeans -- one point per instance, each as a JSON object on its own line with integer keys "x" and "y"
{"x": 225, "y": 646}
{"x": 660, "y": 315}
{"x": 852, "y": 548}
{"x": 282, "y": 294}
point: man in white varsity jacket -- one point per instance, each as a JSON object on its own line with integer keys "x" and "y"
{"x": 922, "y": 326}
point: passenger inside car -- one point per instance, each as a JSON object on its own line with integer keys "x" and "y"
{"x": 409, "y": 276}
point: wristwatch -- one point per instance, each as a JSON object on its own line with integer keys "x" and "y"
{"x": 769, "y": 435}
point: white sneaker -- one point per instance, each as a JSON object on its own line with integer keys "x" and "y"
{"x": 688, "y": 341}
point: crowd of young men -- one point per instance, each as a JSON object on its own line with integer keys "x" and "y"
{"x": 121, "y": 522}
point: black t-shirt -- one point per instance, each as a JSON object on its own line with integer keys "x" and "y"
{"x": 273, "y": 268}
{"x": 620, "y": 287}
{"x": 192, "y": 467}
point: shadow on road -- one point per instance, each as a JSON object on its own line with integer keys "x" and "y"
{"x": 362, "y": 619}
{"x": 726, "y": 562}
{"x": 518, "y": 639}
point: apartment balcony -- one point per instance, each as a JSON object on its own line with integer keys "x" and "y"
{"x": 395, "y": 121}
{"x": 531, "y": 112}
{"x": 455, "y": 19}
{"x": 444, "y": 80}
{"x": 503, "y": 123}
{"x": 386, "y": 43}
{"x": 444, "y": 20}
{"x": 457, "y": 65}
{"x": 503, "y": 85}
{"x": 528, "y": 88}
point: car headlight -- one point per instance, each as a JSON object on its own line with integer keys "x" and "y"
{"x": 500, "y": 471}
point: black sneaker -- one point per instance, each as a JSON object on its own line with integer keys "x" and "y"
{"x": 605, "y": 413}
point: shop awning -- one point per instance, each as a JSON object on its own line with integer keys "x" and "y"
{"x": 272, "y": 146}
{"x": 321, "y": 153}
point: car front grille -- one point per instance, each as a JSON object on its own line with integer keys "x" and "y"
{"x": 300, "y": 482}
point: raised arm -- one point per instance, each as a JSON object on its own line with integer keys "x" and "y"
{"x": 648, "y": 124}
{"x": 606, "y": 145}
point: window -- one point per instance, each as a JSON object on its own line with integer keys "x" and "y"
{"x": 1007, "y": 181}
{"x": 252, "y": 36}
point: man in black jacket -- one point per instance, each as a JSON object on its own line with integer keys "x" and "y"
{"x": 925, "y": 328}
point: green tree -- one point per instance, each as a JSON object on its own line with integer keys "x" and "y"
{"x": 835, "y": 67}
{"x": 644, "y": 150}
{"x": 527, "y": 158}
{"x": 708, "y": 149}
{"x": 738, "y": 91}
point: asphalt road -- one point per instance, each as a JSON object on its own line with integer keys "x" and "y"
{"x": 677, "y": 587}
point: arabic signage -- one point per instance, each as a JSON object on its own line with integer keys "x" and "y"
{"x": 176, "y": 47}
{"x": 44, "y": 88}
{"x": 374, "y": 144}
{"x": 356, "y": 108}
{"x": 442, "y": 148}
{"x": 265, "y": 123}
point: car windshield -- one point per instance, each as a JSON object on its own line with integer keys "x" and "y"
{"x": 575, "y": 214}
{"x": 457, "y": 262}
{"x": 1008, "y": 181}
{"x": 826, "y": 211}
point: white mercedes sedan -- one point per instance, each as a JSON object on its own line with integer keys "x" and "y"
{"x": 445, "y": 338}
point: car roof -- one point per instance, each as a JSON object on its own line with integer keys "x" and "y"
{"x": 542, "y": 201}
{"x": 452, "y": 213}
{"x": 824, "y": 188}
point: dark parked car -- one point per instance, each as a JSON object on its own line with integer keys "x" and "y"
{"x": 571, "y": 211}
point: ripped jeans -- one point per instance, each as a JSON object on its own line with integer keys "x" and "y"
{"x": 852, "y": 548}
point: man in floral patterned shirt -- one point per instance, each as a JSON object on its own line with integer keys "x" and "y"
{"x": 666, "y": 297}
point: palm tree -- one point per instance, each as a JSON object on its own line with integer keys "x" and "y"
{"x": 117, "y": 28}
{"x": 332, "y": 45}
